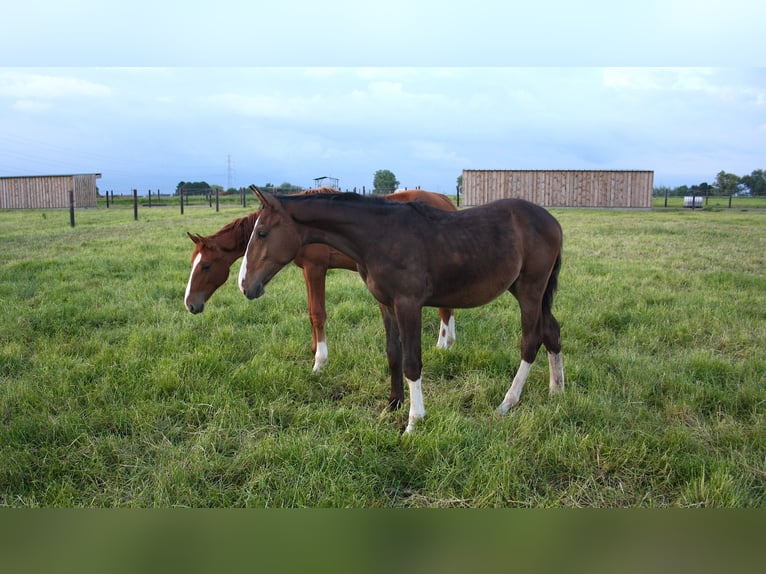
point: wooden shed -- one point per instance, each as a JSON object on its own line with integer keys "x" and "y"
{"x": 551, "y": 188}
{"x": 48, "y": 191}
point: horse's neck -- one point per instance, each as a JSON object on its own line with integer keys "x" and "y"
{"x": 333, "y": 226}
{"x": 234, "y": 237}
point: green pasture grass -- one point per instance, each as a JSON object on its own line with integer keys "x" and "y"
{"x": 714, "y": 202}
{"x": 113, "y": 395}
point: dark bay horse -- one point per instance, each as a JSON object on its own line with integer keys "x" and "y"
{"x": 214, "y": 254}
{"x": 411, "y": 255}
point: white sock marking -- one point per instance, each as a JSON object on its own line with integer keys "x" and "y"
{"x": 320, "y": 357}
{"x": 446, "y": 334}
{"x": 556, "y": 366}
{"x": 417, "y": 409}
{"x": 197, "y": 259}
{"x": 514, "y": 393}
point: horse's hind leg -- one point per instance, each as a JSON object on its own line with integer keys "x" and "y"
{"x": 552, "y": 342}
{"x": 314, "y": 276}
{"x": 531, "y": 340}
{"x": 446, "y": 329}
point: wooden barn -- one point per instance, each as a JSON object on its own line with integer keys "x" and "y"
{"x": 48, "y": 191}
{"x": 551, "y": 188}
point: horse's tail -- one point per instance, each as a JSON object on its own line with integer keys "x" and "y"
{"x": 553, "y": 283}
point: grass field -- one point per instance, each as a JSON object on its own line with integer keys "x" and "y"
{"x": 715, "y": 202}
{"x": 112, "y": 394}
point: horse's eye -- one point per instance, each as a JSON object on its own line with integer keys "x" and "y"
{"x": 262, "y": 233}
{"x": 205, "y": 267}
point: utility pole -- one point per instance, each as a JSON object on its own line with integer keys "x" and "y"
{"x": 228, "y": 172}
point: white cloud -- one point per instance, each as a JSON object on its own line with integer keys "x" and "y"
{"x": 425, "y": 124}
{"x": 656, "y": 79}
{"x": 32, "y": 106}
{"x": 432, "y": 151}
{"x": 28, "y": 85}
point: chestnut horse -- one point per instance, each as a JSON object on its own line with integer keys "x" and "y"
{"x": 214, "y": 254}
{"x": 411, "y": 255}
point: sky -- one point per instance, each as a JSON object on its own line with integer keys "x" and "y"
{"x": 152, "y": 94}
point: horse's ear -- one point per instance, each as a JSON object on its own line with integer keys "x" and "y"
{"x": 265, "y": 198}
{"x": 194, "y": 237}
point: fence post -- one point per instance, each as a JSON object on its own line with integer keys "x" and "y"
{"x": 181, "y": 195}
{"x": 135, "y": 205}
{"x": 150, "y": 198}
{"x": 71, "y": 208}
{"x": 107, "y": 199}
{"x": 216, "y": 200}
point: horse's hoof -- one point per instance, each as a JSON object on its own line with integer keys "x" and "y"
{"x": 504, "y": 409}
{"x": 394, "y": 405}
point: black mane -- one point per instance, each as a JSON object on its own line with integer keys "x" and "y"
{"x": 350, "y": 198}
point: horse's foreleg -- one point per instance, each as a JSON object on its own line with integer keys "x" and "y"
{"x": 409, "y": 318}
{"x": 314, "y": 276}
{"x": 394, "y": 355}
{"x": 446, "y": 329}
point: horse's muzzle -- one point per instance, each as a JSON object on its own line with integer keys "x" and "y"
{"x": 195, "y": 308}
{"x": 254, "y": 291}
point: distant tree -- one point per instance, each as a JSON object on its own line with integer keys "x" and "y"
{"x": 288, "y": 187}
{"x": 727, "y": 183}
{"x": 194, "y": 188}
{"x": 385, "y": 182}
{"x": 755, "y": 182}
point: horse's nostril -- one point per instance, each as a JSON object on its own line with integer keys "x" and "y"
{"x": 194, "y": 309}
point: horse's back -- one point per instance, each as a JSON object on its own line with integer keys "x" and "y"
{"x": 471, "y": 256}
{"x": 431, "y": 198}
{"x": 518, "y": 216}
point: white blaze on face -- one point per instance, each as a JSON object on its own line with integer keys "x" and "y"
{"x": 242, "y": 273}
{"x": 197, "y": 259}
{"x": 243, "y": 265}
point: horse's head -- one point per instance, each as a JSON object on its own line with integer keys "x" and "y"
{"x": 209, "y": 270}
{"x": 274, "y": 243}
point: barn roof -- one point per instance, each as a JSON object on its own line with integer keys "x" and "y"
{"x": 52, "y": 175}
